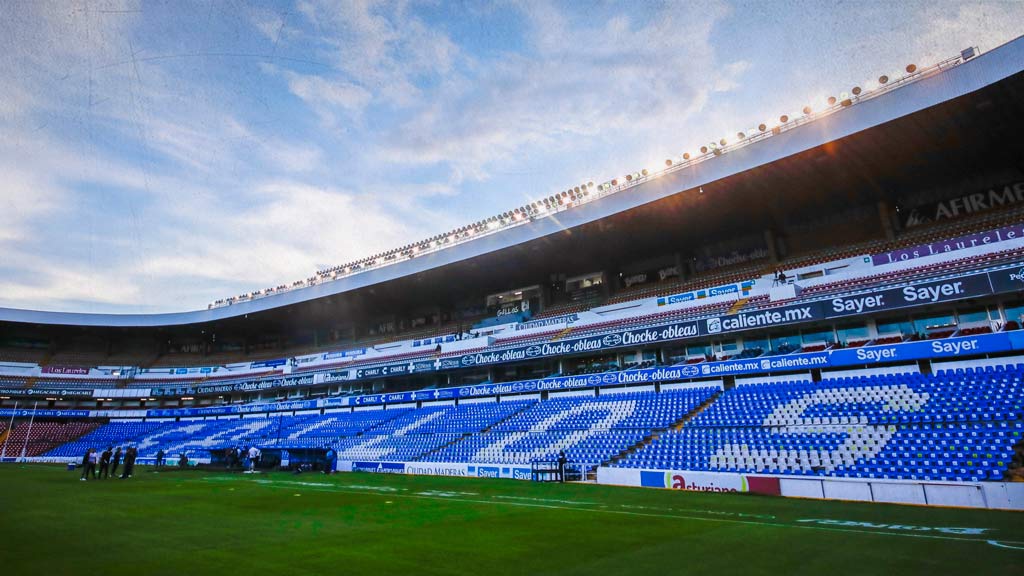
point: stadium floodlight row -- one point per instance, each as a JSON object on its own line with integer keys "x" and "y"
{"x": 983, "y": 264}
{"x": 586, "y": 192}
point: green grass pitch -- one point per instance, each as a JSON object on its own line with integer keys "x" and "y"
{"x": 193, "y": 522}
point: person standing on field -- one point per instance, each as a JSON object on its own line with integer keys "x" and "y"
{"x": 94, "y": 460}
{"x": 129, "y": 462}
{"x": 116, "y": 463}
{"x": 254, "y": 456}
{"x": 105, "y": 463}
{"x": 85, "y": 464}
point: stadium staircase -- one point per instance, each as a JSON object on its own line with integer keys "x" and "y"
{"x": 4, "y": 435}
{"x": 565, "y": 332}
{"x": 678, "y": 424}
{"x": 30, "y": 382}
{"x": 738, "y": 305}
{"x": 424, "y": 457}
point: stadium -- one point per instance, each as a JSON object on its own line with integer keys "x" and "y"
{"x": 795, "y": 349}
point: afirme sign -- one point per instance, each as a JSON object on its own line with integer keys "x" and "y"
{"x": 968, "y": 204}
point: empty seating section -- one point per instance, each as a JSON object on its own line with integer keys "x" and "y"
{"x": 588, "y": 429}
{"x": 954, "y": 425}
{"x": 584, "y": 446}
{"x": 112, "y": 434}
{"x": 38, "y": 437}
{"x": 514, "y": 431}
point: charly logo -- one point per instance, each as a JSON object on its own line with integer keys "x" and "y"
{"x": 594, "y": 380}
{"x": 533, "y": 351}
{"x": 609, "y": 378}
{"x": 714, "y": 325}
{"x": 690, "y": 370}
{"x": 468, "y": 360}
{"x": 611, "y": 340}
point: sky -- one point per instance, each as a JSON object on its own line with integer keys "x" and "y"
{"x": 156, "y": 156}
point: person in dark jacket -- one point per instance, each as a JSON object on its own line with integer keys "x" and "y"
{"x": 105, "y": 462}
{"x": 85, "y": 464}
{"x": 129, "y": 462}
{"x": 160, "y": 458}
{"x": 117, "y": 462}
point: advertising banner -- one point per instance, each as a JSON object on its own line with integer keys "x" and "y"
{"x": 276, "y": 363}
{"x": 564, "y": 319}
{"x": 739, "y": 288}
{"x": 915, "y": 295}
{"x": 86, "y": 393}
{"x": 689, "y": 480}
{"x": 328, "y": 377}
{"x": 952, "y": 245}
{"x": 343, "y": 354}
{"x": 943, "y": 348}
{"x": 661, "y": 374}
{"x": 783, "y": 363}
{"x": 1007, "y": 280}
{"x": 516, "y": 472}
{"x": 20, "y": 413}
{"x": 399, "y": 369}
{"x": 65, "y": 370}
{"x": 634, "y": 337}
{"x": 808, "y": 312}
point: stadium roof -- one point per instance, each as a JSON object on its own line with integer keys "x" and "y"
{"x": 973, "y": 75}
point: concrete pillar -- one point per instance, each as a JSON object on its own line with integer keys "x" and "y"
{"x": 769, "y": 242}
{"x": 885, "y": 216}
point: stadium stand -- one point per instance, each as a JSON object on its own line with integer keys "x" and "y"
{"x": 40, "y": 437}
{"x": 955, "y": 425}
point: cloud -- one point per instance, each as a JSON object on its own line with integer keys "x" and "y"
{"x": 326, "y": 96}
{"x": 579, "y": 82}
{"x": 157, "y": 157}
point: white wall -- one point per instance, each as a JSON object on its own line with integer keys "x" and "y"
{"x": 770, "y": 379}
{"x": 903, "y": 369}
{"x": 566, "y": 393}
{"x": 955, "y": 364}
{"x": 693, "y": 385}
{"x": 995, "y": 495}
{"x": 485, "y": 400}
{"x": 613, "y": 391}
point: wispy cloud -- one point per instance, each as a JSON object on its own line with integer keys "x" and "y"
{"x": 159, "y": 156}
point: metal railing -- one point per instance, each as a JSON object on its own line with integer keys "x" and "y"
{"x": 713, "y": 149}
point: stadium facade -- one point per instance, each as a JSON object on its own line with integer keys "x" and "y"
{"x": 829, "y": 307}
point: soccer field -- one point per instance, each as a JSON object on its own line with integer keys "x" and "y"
{"x": 196, "y": 522}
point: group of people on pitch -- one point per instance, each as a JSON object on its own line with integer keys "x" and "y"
{"x": 237, "y": 457}
{"x": 97, "y": 465}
